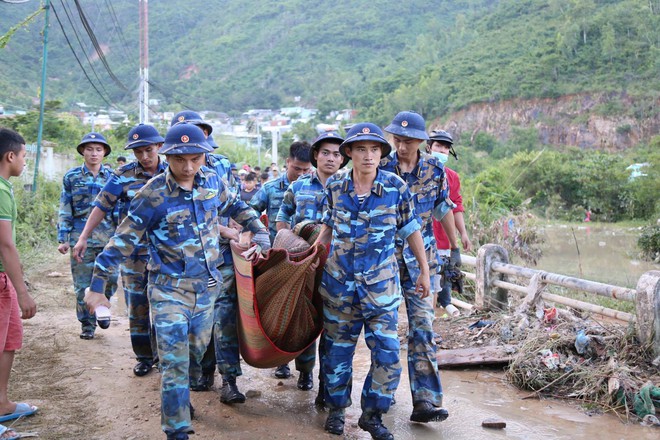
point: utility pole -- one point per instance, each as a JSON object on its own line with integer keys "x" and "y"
{"x": 144, "y": 62}
{"x": 42, "y": 103}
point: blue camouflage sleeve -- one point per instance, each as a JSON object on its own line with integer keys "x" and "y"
{"x": 106, "y": 201}
{"x": 231, "y": 205}
{"x": 407, "y": 220}
{"x": 127, "y": 236}
{"x": 65, "y": 215}
{"x": 329, "y": 206}
{"x": 443, "y": 203}
{"x": 259, "y": 201}
{"x": 288, "y": 206}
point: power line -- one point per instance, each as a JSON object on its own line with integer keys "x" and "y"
{"x": 78, "y": 59}
{"x": 73, "y": 26}
{"x": 169, "y": 96}
{"x": 97, "y": 47}
{"x": 115, "y": 23}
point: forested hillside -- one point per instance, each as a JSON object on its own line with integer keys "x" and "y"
{"x": 378, "y": 56}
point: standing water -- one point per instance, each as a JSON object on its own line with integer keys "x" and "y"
{"x": 600, "y": 252}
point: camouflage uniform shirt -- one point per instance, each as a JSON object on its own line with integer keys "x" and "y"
{"x": 269, "y": 198}
{"x": 222, "y": 166}
{"x": 79, "y": 189}
{"x": 181, "y": 226}
{"x": 363, "y": 235}
{"x": 303, "y": 200}
{"x": 120, "y": 190}
{"x": 430, "y": 190}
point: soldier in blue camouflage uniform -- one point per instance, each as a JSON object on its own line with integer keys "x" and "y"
{"x": 269, "y": 198}
{"x": 223, "y": 347}
{"x": 179, "y": 212}
{"x": 367, "y": 209}
{"x": 80, "y": 186}
{"x": 305, "y": 200}
{"x": 426, "y": 179}
{"x": 145, "y": 142}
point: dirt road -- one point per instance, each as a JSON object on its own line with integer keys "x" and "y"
{"x": 86, "y": 390}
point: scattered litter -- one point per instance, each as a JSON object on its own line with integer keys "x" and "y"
{"x": 481, "y": 324}
{"x": 549, "y": 359}
{"x": 55, "y": 275}
{"x": 581, "y": 342}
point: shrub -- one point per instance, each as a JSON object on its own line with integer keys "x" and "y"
{"x": 649, "y": 242}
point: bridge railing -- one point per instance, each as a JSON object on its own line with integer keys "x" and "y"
{"x": 492, "y": 277}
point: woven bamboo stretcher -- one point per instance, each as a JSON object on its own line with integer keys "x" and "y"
{"x": 280, "y": 309}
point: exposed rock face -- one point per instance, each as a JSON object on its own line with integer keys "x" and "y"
{"x": 610, "y": 122}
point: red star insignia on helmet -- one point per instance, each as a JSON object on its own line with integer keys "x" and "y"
{"x": 185, "y": 139}
{"x": 404, "y": 123}
{"x": 135, "y": 136}
{"x": 181, "y": 118}
{"x": 366, "y": 130}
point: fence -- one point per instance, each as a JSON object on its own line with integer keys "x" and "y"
{"x": 492, "y": 272}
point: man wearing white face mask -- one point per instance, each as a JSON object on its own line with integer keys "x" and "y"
{"x": 441, "y": 145}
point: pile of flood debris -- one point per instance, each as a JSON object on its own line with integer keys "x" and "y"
{"x": 558, "y": 353}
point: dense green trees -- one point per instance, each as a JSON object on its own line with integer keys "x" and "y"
{"x": 377, "y": 56}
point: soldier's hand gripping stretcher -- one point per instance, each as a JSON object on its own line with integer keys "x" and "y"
{"x": 260, "y": 243}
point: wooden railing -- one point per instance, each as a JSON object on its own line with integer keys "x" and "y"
{"x": 493, "y": 283}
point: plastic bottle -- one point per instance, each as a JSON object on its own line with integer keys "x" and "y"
{"x": 103, "y": 317}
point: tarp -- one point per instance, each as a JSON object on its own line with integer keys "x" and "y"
{"x": 280, "y": 309}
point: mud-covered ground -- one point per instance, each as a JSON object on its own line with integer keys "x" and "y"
{"x": 86, "y": 389}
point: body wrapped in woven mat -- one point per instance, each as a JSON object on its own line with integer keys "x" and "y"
{"x": 280, "y": 309}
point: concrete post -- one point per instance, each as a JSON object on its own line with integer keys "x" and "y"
{"x": 647, "y": 305}
{"x": 488, "y": 297}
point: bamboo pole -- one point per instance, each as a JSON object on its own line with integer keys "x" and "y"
{"x": 606, "y": 290}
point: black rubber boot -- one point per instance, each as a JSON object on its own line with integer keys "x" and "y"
{"x": 283, "y": 372}
{"x": 229, "y": 392}
{"x": 334, "y": 424}
{"x": 424, "y": 412}
{"x": 142, "y": 368}
{"x": 373, "y": 424}
{"x": 305, "y": 381}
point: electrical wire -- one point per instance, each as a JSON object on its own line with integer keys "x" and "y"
{"x": 89, "y": 61}
{"x": 97, "y": 47}
{"x": 78, "y": 59}
{"x": 168, "y": 95}
{"x": 117, "y": 26}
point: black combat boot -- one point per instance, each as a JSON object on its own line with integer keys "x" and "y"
{"x": 425, "y": 412}
{"x": 305, "y": 381}
{"x": 334, "y": 424}
{"x": 229, "y": 392}
{"x": 373, "y": 424}
{"x": 283, "y": 372}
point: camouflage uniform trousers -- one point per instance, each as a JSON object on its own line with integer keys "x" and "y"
{"x": 223, "y": 346}
{"x": 134, "y": 277}
{"x": 344, "y": 316}
{"x": 423, "y": 372}
{"x": 182, "y": 312}
{"x": 82, "y": 278}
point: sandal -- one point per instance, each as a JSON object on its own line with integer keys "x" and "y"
{"x": 22, "y": 410}
{"x": 8, "y": 433}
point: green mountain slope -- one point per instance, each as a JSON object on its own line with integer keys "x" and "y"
{"x": 379, "y": 55}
